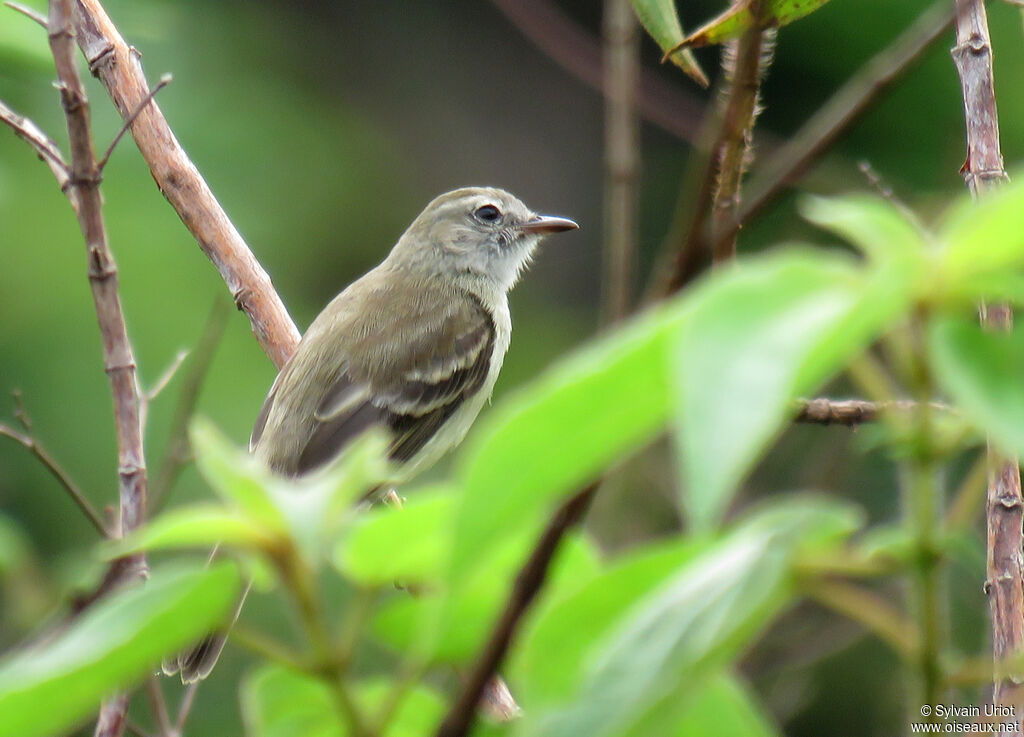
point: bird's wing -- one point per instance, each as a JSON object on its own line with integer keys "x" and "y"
{"x": 410, "y": 387}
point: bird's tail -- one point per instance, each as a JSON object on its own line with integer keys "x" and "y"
{"x": 196, "y": 663}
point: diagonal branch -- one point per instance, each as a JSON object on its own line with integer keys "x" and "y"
{"x": 119, "y": 69}
{"x": 32, "y": 445}
{"x": 44, "y": 147}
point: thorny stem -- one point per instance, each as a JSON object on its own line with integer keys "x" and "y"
{"x": 733, "y": 148}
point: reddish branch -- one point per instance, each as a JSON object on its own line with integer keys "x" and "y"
{"x": 119, "y": 69}
{"x": 983, "y": 171}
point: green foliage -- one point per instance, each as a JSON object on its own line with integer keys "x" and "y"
{"x": 661, "y": 21}
{"x": 696, "y": 618}
{"x": 278, "y": 702}
{"x": 46, "y": 688}
{"x": 738, "y": 18}
{"x": 555, "y": 435}
{"x": 981, "y": 370}
{"x": 759, "y": 336}
{"x": 643, "y": 642}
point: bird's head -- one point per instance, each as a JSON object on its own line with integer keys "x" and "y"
{"x": 480, "y": 232}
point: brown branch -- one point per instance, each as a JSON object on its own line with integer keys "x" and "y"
{"x": 118, "y": 358}
{"x": 528, "y": 583}
{"x": 983, "y": 171}
{"x": 44, "y": 146}
{"x": 853, "y": 412}
{"x": 621, "y": 155}
{"x": 165, "y": 80}
{"x": 113, "y": 717}
{"x": 158, "y": 706}
{"x": 32, "y": 445}
{"x": 119, "y": 69}
{"x": 732, "y": 150}
{"x": 850, "y": 412}
{"x": 28, "y": 12}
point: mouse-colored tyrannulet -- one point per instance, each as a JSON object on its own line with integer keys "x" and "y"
{"x": 413, "y": 346}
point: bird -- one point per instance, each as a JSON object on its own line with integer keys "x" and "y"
{"x": 413, "y": 347}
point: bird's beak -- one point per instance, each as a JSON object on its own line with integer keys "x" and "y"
{"x": 544, "y": 224}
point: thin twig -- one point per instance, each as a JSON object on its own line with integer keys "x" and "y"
{"x": 29, "y": 13}
{"x": 158, "y": 706}
{"x": 621, "y": 155}
{"x": 120, "y": 71}
{"x": 853, "y": 412}
{"x": 528, "y": 583}
{"x": 44, "y": 146}
{"x": 135, "y": 729}
{"x": 983, "y": 171}
{"x": 165, "y": 80}
{"x": 185, "y": 708}
{"x": 146, "y": 396}
{"x": 32, "y": 445}
{"x": 176, "y": 452}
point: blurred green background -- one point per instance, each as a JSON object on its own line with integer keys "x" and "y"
{"x": 324, "y": 128}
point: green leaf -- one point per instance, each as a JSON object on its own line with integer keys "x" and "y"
{"x": 660, "y": 19}
{"x": 318, "y": 508}
{"x": 721, "y": 706}
{"x": 410, "y": 544}
{"x": 884, "y": 233}
{"x": 981, "y": 370}
{"x": 562, "y": 430}
{"x": 279, "y": 702}
{"x": 699, "y": 617}
{"x": 450, "y": 625}
{"x": 310, "y": 511}
{"x": 237, "y": 477}
{"x": 761, "y": 334}
{"x": 738, "y": 18}
{"x": 113, "y": 644}
{"x": 553, "y": 656}
{"x": 985, "y": 237}
{"x": 201, "y": 525}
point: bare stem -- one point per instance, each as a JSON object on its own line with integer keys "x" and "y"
{"x": 118, "y": 357}
{"x": 983, "y": 171}
{"x": 120, "y": 70}
{"x": 32, "y": 445}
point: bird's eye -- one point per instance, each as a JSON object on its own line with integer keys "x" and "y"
{"x": 487, "y": 214}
